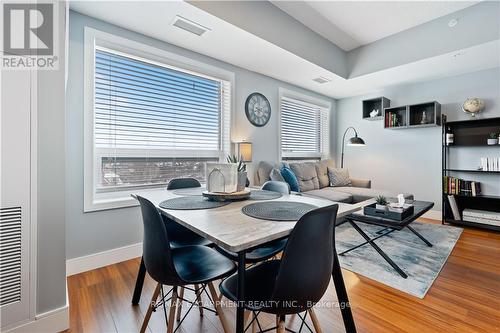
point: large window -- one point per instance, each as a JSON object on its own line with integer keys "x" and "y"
{"x": 304, "y": 128}
{"x": 152, "y": 122}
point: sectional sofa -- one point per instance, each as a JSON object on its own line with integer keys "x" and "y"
{"x": 314, "y": 179}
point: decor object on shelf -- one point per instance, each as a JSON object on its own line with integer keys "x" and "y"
{"x": 449, "y": 136}
{"x": 222, "y": 177}
{"x": 242, "y": 171}
{"x": 493, "y": 139}
{"x": 354, "y": 141}
{"x": 473, "y": 105}
{"x": 424, "y": 118}
{"x": 375, "y": 113}
{"x": 381, "y": 203}
{"x": 257, "y": 109}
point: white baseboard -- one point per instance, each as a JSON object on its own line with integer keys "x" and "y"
{"x": 101, "y": 259}
{"x": 49, "y": 322}
{"x": 433, "y": 214}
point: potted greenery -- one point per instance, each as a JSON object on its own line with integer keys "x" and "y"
{"x": 381, "y": 203}
{"x": 242, "y": 171}
{"x": 493, "y": 139}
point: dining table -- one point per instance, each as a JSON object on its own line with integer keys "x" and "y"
{"x": 228, "y": 227}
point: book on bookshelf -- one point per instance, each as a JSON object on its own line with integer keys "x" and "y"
{"x": 481, "y": 220}
{"x": 483, "y": 214}
{"x": 457, "y": 186}
{"x": 454, "y": 207}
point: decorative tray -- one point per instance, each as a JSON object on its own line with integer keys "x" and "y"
{"x": 219, "y": 196}
{"x": 391, "y": 213}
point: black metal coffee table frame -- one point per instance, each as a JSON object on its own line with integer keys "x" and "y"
{"x": 390, "y": 226}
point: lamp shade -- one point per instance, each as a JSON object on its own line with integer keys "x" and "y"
{"x": 245, "y": 151}
{"x": 356, "y": 141}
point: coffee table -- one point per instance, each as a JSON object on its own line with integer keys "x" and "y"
{"x": 420, "y": 207}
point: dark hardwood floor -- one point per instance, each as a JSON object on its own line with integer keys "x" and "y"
{"x": 464, "y": 298}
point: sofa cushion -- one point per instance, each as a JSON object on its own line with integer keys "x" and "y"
{"x": 339, "y": 177}
{"x": 263, "y": 170}
{"x": 361, "y": 194}
{"x": 306, "y": 175}
{"x": 290, "y": 178}
{"x": 276, "y": 175}
{"x": 322, "y": 172}
{"x": 331, "y": 193}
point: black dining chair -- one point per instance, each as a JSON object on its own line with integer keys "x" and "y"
{"x": 178, "y": 267}
{"x": 179, "y": 236}
{"x": 271, "y": 249}
{"x": 295, "y": 283}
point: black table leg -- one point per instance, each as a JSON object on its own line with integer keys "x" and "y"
{"x": 378, "y": 249}
{"x": 359, "y": 245}
{"x": 141, "y": 274}
{"x": 240, "y": 310}
{"x": 345, "y": 306}
{"x": 420, "y": 236}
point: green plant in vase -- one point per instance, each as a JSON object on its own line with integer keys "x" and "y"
{"x": 242, "y": 171}
{"x": 381, "y": 203}
{"x": 493, "y": 139}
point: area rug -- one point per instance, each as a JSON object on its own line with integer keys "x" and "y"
{"x": 421, "y": 263}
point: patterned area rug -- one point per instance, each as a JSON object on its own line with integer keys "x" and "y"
{"x": 421, "y": 263}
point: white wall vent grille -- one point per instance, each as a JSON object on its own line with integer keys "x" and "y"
{"x": 10, "y": 255}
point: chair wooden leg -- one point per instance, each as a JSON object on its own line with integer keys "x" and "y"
{"x": 247, "y": 317}
{"x": 281, "y": 325}
{"x": 317, "y": 326}
{"x": 179, "y": 308}
{"x": 171, "y": 314}
{"x": 198, "y": 299}
{"x": 150, "y": 308}
{"x": 218, "y": 308}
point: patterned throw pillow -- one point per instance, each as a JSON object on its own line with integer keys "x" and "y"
{"x": 290, "y": 178}
{"x": 276, "y": 175}
{"x": 339, "y": 177}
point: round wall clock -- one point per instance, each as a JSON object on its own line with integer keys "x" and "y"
{"x": 257, "y": 109}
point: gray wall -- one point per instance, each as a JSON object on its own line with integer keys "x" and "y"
{"x": 410, "y": 160}
{"x": 99, "y": 231}
{"x": 51, "y": 258}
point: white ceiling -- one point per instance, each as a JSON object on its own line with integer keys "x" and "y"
{"x": 350, "y": 24}
{"x": 237, "y": 46}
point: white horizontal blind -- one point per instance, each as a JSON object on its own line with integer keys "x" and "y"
{"x": 304, "y": 129}
{"x": 154, "y": 123}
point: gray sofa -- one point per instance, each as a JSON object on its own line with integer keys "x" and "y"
{"x": 313, "y": 181}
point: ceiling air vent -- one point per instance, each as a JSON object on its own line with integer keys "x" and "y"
{"x": 190, "y": 26}
{"x": 322, "y": 79}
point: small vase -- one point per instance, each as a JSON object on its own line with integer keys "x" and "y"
{"x": 492, "y": 142}
{"x": 242, "y": 181}
{"x": 380, "y": 207}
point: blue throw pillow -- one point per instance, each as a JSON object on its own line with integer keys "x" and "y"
{"x": 290, "y": 178}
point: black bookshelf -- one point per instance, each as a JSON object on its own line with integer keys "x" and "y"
{"x": 468, "y": 133}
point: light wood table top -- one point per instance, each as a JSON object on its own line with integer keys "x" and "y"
{"x": 232, "y": 230}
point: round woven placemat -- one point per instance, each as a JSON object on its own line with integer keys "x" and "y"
{"x": 264, "y": 195}
{"x": 191, "y": 203}
{"x": 190, "y": 191}
{"x": 277, "y": 210}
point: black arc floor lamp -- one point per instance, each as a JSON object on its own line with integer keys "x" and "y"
{"x": 354, "y": 141}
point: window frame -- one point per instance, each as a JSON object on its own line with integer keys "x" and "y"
{"x": 93, "y": 39}
{"x": 306, "y": 99}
